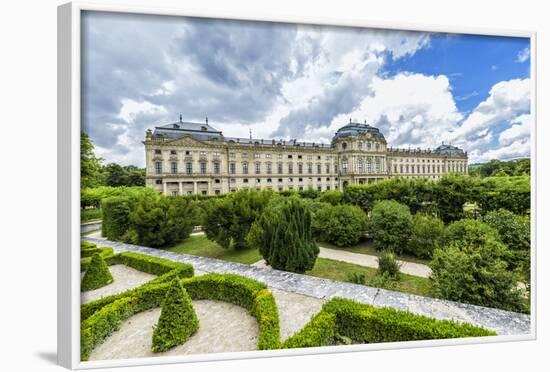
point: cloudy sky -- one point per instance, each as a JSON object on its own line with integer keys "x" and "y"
{"x": 304, "y": 82}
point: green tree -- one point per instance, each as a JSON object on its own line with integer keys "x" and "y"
{"x": 342, "y": 225}
{"x": 468, "y": 231}
{"x": 515, "y": 232}
{"x": 117, "y": 175}
{"x": 159, "y": 220}
{"x": 476, "y": 274}
{"x": 283, "y": 236}
{"x": 427, "y": 235}
{"x": 451, "y": 193}
{"x": 227, "y": 221}
{"x": 90, "y": 165}
{"x": 390, "y": 226}
{"x": 333, "y": 197}
{"x": 178, "y": 320}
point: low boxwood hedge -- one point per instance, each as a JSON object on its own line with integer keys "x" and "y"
{"x": 364, "y": 323}
{"x": 239, "y": 290}
{"x": 89, "y": 252}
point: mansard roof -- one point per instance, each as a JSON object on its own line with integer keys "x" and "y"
{"x": 200, "y": 131}
{"x": 449, "y": 150}
{"x": 354, "y": 129}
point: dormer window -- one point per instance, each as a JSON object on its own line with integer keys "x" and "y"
{"x": 204, "y": 129}
{"x": 344, "y": 146}
{"x": 176, "y": 126}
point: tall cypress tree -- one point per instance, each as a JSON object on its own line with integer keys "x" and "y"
{"x": 283, "y": 236}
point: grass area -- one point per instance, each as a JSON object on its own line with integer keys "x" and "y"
{"x": 199, "y": 245}
{"x": 338, "y": 270}
{"x": 365, "y": 246}
{"x": 88, "y": 215}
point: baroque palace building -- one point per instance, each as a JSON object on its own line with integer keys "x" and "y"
{"x": 186, "y": 158}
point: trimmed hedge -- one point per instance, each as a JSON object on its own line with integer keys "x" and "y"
{"x": 364, "y": 323}
{"x": 116, "y": 216}
{"x": 236, "y": 289}
{"x": 178, "y": 320}
{"x": 89, "y": 252}
{"x": 87, "y": 245}
{"x": 109, "y": 258}
{"x": 97, "y": 275}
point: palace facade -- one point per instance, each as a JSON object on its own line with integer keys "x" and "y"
{"x": 185, "y": 158}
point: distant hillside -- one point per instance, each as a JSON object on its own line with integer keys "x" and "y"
{"x": 515, "y": 167}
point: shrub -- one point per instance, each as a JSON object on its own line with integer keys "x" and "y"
{"x": 342, "y": 225}
{"x": 427, "y": 235}
{"x": 283, "y": 236}
{"x": 472, "y": 232}
{"x": 390, "y": 226}
{"x": 333, "y": 197}
{"x": 515, "y": 232}
{"x": 159, "y": 220}
{"x": 388, "y": 265}
{"x": 309, "y": 193}
{"x": 364, "y": 323}
{"x": 236, "y": 289}
{"x": 511, "y": 193}
{"x": 451, "y": 192}
{"x": 97, "y": 275}
{"x": 103, "y": 251}
{"x": 227, "y": 221}
{"x": 177, "y": 321}
{"x": 476, "y": 274}
{"x": 116, "y": 216}
{"x": 356, "y": 278}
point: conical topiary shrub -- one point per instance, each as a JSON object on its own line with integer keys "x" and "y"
{"x": 177, "y": 321}
{"x": 97, "y": 275}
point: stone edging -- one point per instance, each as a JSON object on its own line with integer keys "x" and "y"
{"x": 500, "y": 321}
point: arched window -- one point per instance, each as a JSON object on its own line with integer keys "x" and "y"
{"x": 360, "y": 166}
{"x": 369, "y": 146}
{"x": 344, "y": 145}
{"x": 360, "y": 145}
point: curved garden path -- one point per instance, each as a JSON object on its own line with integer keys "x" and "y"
{"x": 502, "y": 322}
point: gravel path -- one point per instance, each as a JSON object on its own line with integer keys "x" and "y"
{"x": 361, "y": 259}
{"x": 224, "y": 327}
{"x": 124, "y": 278}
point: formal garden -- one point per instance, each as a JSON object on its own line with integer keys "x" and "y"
{"x": 471, "y": 233}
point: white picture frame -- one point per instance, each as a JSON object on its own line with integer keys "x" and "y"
{"x": 69, "y": 50}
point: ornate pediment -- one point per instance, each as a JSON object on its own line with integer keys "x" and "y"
{"x": 186, "y": 141}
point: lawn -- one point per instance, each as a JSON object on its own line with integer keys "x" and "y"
{"x": 199, "y": 245}
{"x": 365, "y": 246}
{"x": 337, "y": 270}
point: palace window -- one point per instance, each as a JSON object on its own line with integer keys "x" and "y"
{"x": 401, "y": 168}
{"x": 217, "y": 168}
{"x": 245, "y": 180}
{"x": 280, "y": 156}
{"x": 344, "y": 146}
{"x": 257, "y": 166}
{"x": 318, "y": 157}
{"x": 360, "y": 166}
{"x": 269, "y": 180}
{"x": 158, "y": 182}
{"x": 244, "y": 155}
{"x": 173, "y": 152}
{"x": 290, "y": 156}
{"x": 300, "y": 179}
{"x": 233, "y": 180}
{"x": 268, "y": 156}
{"x": 327, "y": 168}
{"x": 216, "y": 180}
{"x": 158, "y": 152}
{"x": 187, "y": 152}
{"x": 309, "y": 168}
{"x": 268, "y": 168}
{"x": 217, "y": 192}
{"x": 299, "y": 156}
{"x": 280, "y": 180}
{"x": 158, "y": 167}
{"x": 258, "y": 180}
{"x": 309, "y": 157}
{"x": 290, "y": 169}
{"x": 203, "y": 167}
{"x": 328, "y": 187}
{"x": 369, "y": 146}
{"x": 189, "y": 168}
{"x": 360, "y": 145}
{"x": 232, "y": 167}
{"x": 280, "y": 168}
{"x": 377, "y": 162}
{"x": 174, "y": 167}
{"x": 231, "y": 154}
{"x": 202, "y": 153}
{"x": 245, "y": 168}
{"x": 344, "y": 166}
{"x": 290, "y": 180}
{"x": 407, "y": 168}
{"x": 319, "y": 168}
{"x": 369, "y": 166}
{"x": 300, "y": 168}
{"x": 256, "y": 156}
{"x": 377, "y": 146}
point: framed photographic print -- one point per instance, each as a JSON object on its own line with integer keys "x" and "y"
{"x": 236, "y": 187}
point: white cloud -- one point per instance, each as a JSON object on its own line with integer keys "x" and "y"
{"x": 517, "y": 149}
{"x": 520, "y": 129}
{"x": 507, "y": 100}
{"x": 523, "y": 55}
{"x": 410, "y": 109}
{"x": 131, "y": 108}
